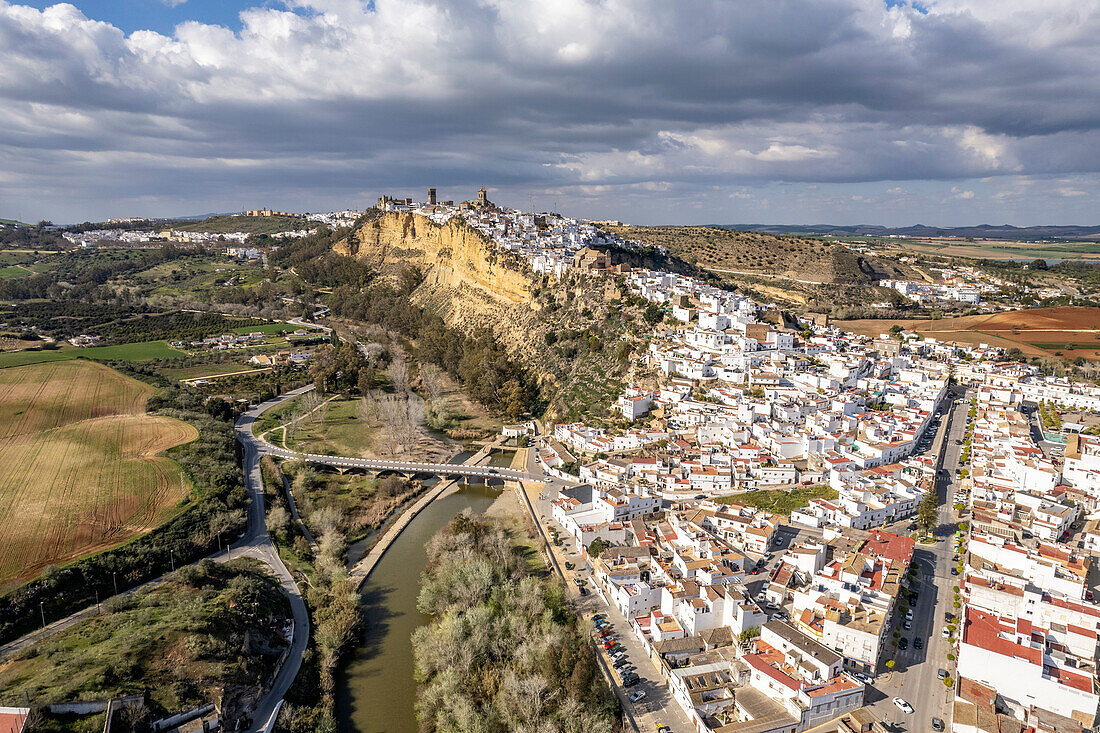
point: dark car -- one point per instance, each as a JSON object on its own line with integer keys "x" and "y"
{"x": 903, "y": 644}
{"x": 918, "y": 643}
{"x": 583, "y": 590}
{"x": 954, "y": 571}
{"x": 568, "y": 565}
{"x": 631, "y": 681}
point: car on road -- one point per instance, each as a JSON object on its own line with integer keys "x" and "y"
{"x": 635, "y": 697}
{"x": 937, "y": 724}
{"x": 903, "y": 643}
{"x": 864, "y": 678}
{"x": 664, "y": 729}
{"x": 1088, "y": 595}
{"x": 918, "y": 643}
{"x": 908, "y": 625}
{"x": 700, "y": 496}
{"x": 902, "y": 705}
{"x": 942, "y": 674}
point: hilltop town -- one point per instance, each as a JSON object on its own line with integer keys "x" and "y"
{"x": 762, "y": 521}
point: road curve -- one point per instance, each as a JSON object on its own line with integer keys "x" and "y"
{"x": 257, "y": 543}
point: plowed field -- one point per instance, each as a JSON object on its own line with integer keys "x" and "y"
{"x": 1069, "y": 331}
{"x": 79, "y": 469}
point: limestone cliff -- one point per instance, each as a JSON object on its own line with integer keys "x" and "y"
{"x": 468, "y": 280}
{"x": 453, "y": 255}
{"x": 572, "y": 334}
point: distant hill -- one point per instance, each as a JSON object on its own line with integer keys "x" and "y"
{"x": 13, "y": 221}
{"x": 982, "y": 231}
{"x": 724, "y": 250}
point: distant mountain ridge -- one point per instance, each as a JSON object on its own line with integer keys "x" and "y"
{"x": 982, "y": 231}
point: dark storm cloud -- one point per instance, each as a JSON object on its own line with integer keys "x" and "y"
{"x": 652, "y": 98}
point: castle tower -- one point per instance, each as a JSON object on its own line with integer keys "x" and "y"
{"x": 482, "y": 197}
{"x": 431, "y": 196}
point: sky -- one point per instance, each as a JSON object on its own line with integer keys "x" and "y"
{"x": 893, "y": 112}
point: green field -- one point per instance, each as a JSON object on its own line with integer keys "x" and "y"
{"x": 780, "y": 501}
{"x": 9, "y": 272}
{"x": 248, "y": 224}
{"x": 142, "y": 351}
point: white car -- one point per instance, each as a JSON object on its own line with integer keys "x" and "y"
{"x": 902, "y": 705}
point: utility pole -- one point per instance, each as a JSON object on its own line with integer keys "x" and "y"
{"x": 172, "y": 559}
{"x": 42, "y": 609}
{"x": 115, "y": 576}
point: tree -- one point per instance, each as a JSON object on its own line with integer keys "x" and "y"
{"x": 653, "y": 314}
{"x": 597, "y": 546}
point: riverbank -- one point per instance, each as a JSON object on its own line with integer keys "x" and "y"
{"x": 376, "y": 689}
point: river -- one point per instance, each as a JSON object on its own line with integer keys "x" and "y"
{"x": 375, "y": 690}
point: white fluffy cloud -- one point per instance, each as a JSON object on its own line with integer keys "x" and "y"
{"x": 607, "y": 104}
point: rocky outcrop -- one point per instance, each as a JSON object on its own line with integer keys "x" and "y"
{"x": 454, "y": 255}
{"x": 468, "y": 281}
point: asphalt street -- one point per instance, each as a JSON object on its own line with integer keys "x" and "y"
{"x": 914, "y": 677}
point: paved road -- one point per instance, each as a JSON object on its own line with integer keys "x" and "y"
{"x": 914, "y": 678}
{"x": 257, "y": 543}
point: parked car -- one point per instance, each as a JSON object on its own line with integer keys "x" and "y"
{"x": 1088, "y": 595}
{"x": 903, "y": 643}
{"x": 918, "y": 643}
{"x": 631, "y": 681}
{"x": 902, "y": 705}
{"x": 568, "y": 565}
{"x": 942, "y": 674}
{"x": 954, "y": 571}
{"x": 637, "y": 696}
{"x": 937, "y": 724}
{"x": 908, "y": 625}
{"x": 946, "y": 633}
{"x": 583, "y": 590}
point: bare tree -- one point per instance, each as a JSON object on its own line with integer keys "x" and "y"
{"x": 398, "y": 372}
{"x": 433, "y": 381}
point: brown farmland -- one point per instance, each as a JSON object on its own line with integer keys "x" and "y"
{"x": 79, "y": 469}
{"x": 1069, "y": 331}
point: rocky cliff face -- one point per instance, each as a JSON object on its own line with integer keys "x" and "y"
{"x": 468, "y": 281}
{"x": 453, "y": 255}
